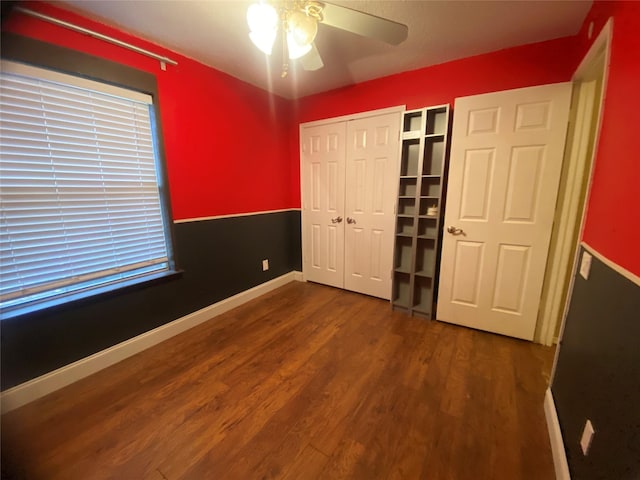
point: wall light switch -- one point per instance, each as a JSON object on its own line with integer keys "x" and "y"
{"x": 265, "y": 265}
{"x": 585, "y": 265}
{"x": 587, "y": 436}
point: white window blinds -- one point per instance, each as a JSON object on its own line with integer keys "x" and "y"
{"x": 79, "y": 196}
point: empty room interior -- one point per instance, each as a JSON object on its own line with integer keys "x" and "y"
{"x": 297, "y": 239}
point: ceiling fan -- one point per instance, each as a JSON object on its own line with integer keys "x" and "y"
{"x": 297, "y": 21}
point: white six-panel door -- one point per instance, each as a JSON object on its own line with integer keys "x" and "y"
{"x": 323, "y": 176}
{"x": 505, "y": 164}
{"x": 371, "y": 188}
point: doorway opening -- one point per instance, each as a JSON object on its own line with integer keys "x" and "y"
{"x": 589, "y": 83}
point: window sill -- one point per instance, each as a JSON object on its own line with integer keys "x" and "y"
{"x": 93, "y": 294}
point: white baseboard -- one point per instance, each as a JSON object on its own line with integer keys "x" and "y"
{"x": 555, "y": 437}
{"x": 39, "y": 387}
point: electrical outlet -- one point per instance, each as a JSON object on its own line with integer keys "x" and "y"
{"x": 585, "y": 265}
{"x": 265, "y": 265}
{"x": 587, "y": 436}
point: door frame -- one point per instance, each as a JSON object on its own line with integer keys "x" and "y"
{"x": 326, "y": 121}
{"x": 569, "y": 220}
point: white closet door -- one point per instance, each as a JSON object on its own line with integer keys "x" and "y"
{"x": 371, "y": 186}
{"x": 323, "y": 184}
{"x": 506, "y": 158}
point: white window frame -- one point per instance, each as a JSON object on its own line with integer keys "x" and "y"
{"x": 64, "y": 291}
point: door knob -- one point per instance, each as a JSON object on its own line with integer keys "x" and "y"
{"x": 455, "y": 231}
{"x": 336, "y": 220}
{"x": 351, "y": 220}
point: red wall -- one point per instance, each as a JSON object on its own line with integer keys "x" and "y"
{"x": 226, "y": 142}
{"x": 613, "y": 212}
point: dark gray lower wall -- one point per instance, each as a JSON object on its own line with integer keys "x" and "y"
{"x": 598, "y": 376}
{"x": 219, "y": 257}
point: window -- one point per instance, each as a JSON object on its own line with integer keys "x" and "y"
{"x": 80, "y": 189}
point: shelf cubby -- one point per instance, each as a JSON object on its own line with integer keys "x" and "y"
{"x": 430, "y": 186}
{"x": 408, "y": 187}
{"x": 401, "y": 289}
{"x": 405, "y": 226}
{"x": 427, "y": 203}
{"x": 410, "y": 158}
{"x": 425, "y": 257}
{"x": 438, "y": 121}
{"x": 403, "y": 254}
{"x": 433, "y": 157}
{"x": 406, "y": 206}
{"x": 428, "y": 227}
{"x": 422, "y": 300}
{"x": 412, "y": 122}
{"x": 420, "y": 209}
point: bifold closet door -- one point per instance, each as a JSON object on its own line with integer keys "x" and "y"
{"x": 371, "y": 178}
{"x": 349, "y": 174}
{"x": 323, "y": 185}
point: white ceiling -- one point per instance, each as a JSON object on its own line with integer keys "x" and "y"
{"x": 216, "y": 34}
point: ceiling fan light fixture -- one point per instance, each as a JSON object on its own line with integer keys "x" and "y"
{"x": 295, "y": 49}
{"x": 302, "y": 27}
{"x": 263, "y": 40}
{"x": 262, "y": 17}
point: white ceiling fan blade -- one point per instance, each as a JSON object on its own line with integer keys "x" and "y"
{"x": 364, "y": 24}
{"x": 312, "y": 61}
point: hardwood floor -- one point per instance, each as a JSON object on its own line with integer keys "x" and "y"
{"x": 307, "y": 382}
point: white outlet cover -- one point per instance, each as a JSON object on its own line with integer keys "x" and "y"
{"x": 265, "y": 265}
{"x": 587, "y": 436}
{"x": 585, "y": 265}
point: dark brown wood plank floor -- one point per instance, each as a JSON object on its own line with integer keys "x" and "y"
{"x": 306, "y": 382}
